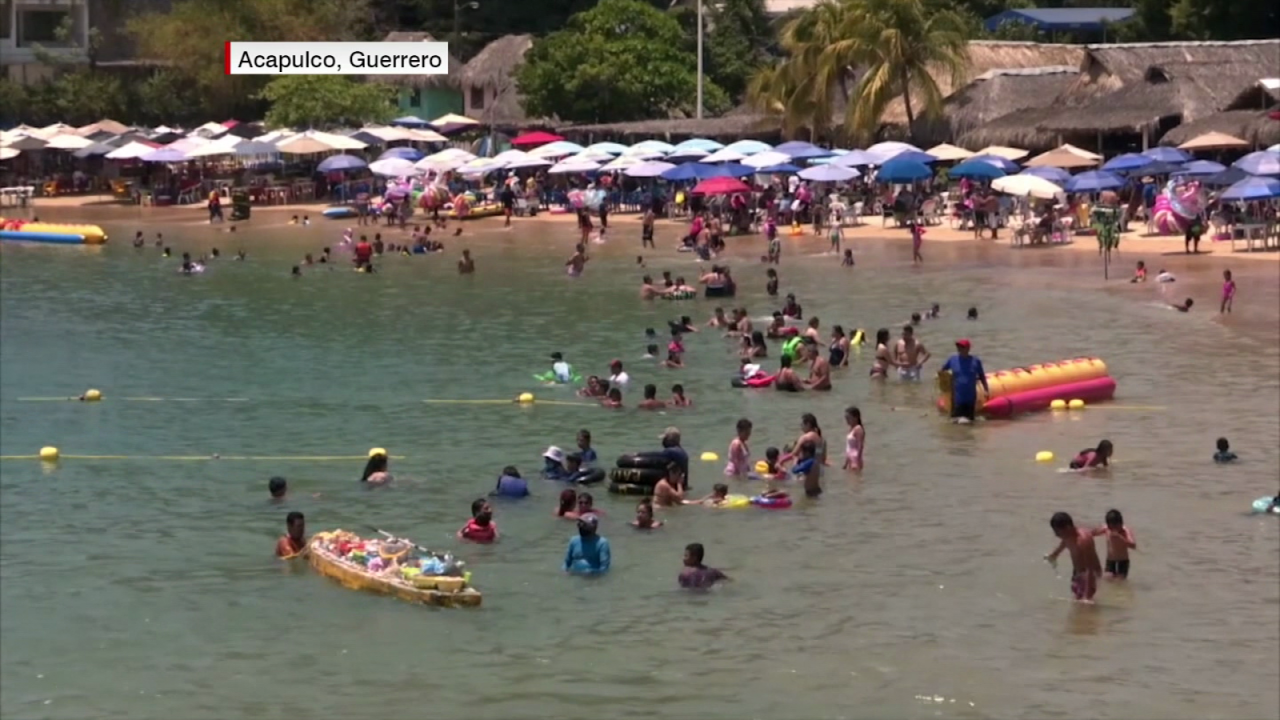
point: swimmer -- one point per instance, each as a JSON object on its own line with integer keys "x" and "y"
{"x": 718, "y": 320}
{"x": 650, "y": 335}
{"x": 683, "y": 325}
{"x": 308, "y": 260}
{"x": 560, "y": 370}
{"x": 587, "y": 505}
{"x": 774, "y": 255}
{"x": 677, "y": 342}
{"x": 1184, "y": 306}
{"x": 480, "y": 528}
{"x": 739, "y": 462}
{"x": 375, "y": 471}
{"x": 855, "y": 440}
{"x": 757, "y": 349}
{"x": 567, "y": 507}
{"x": 1164, "y": 276}
{"x": 883, "y": 359}
{"x": 934, "y": 312}
{"x": 577, "y": 262}
{"x": 1085, "y": 566}
{"x": 1119, "y": 542}
{"x": 772, "y": 459}
{"x": 838, "y": 350}
{"x": 811, "y": 332}
{"x": 1093, "y": 457}
{"x": 240, "y": 255}
{"x": 613, "y": 399}
{"x": 771, "y": 284}
{"x": 646, "y": 228}
{"x": 678, "y": 398}
{"x": 667, "y": 282}
{"x": 669, "y": 491}
{"x": 466, "y": 266}
{"x": 651, "y": 401}
{"x": 553, "y": 464}
{"x": 306, "y": 220}
{"x": 910, "y": 354}
{"x": 972, "y": 314}
{"x": 588, "y": 453}
{"x": 294, "y": 541}
{"x": 293, "y": 220}
{"x": 278, "y": 488}
{"x": 640, "y": 261}
{"x": 719, "y": 496}
{"x": 915, "y": 319}
{"x": 819, "y": 369}
{"x": 510, "y": 484}
{"x": 786, "y": 379}
{"x": 1139, "y": 273}
{"x": 791, "y": 308}
{"x": 296, "y": 272}
{"x": 644, "y": 516}
{"x": 848, "y": 259}
{"x": 778, "y": 327}
{"x": 1228, "y": 292}
{"x": 650, "y": 352}
{"x": 138, "y": 241}
{"x": 648, "y": 290}
{"x": 673, "y": 360}
{"x": 166, "y": 252}
{"x": 809, "y": 469}
{"x": 812, "y": 433}
{"x": 1224, "y": 454}
{"x": 835, "y": 234}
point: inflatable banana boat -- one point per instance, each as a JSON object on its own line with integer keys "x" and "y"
{"x": 24, "y": 231}
{"x": 1035, "y": 387}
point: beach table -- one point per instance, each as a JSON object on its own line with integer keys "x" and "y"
{"x": 18, "y": 196}
{"x": 1250, "y": 233}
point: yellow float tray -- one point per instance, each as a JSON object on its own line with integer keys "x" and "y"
{"x": 330, "y": 566}
{"x": 477, "y": 212}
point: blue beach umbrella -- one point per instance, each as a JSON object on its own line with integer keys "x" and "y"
{"x": 1127, "y": 161}
{"x": 412, "y": 121}
{"x": 1262, "y": 162}
{"x": 1093, "y": 181}
{"x": 856, "y": 158}
{"x": 404, "y": 153}
{"x": 1155, "y": 168}
{"x": 1253, "y": 188}
{"x": 734, "y": 170}
{"x": 748, "y": 147}
{"x": 1057, "y": 176}
{"x": 703, "y": 144}
{"x": 903, "y": 171}
{"x": 918, "y": 156}
{"x": 799, "y": 150}
{"x": 782, "y": 169}
{"x": 1005, "y": 164}
{"x": 1201, "y": 167}
{"x": 690, "y": 171}
{"x": 1227, "y": 177}
{"x": 341, "y": 162}
{"x": 976, "y": 170}
{"x": 1166, "y": 154}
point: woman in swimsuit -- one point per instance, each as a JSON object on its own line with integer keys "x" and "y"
{"x": 757, "y": 348}
{"x": 811, "y": 332}
{"x": 854, "y": 441}
{"x": 884, "y": 360}
{"x": 809, "y": 432}
{"x": 839, "y": 348}
{"x": 787, "y": 381}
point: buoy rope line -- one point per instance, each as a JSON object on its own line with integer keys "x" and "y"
{"x": 433, "y": 401}
{"x": 193, "y": 458}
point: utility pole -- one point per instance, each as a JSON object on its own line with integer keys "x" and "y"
{"x": 699, "y": 59}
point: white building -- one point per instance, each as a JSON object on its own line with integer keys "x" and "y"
{"x": 28, "y": 24}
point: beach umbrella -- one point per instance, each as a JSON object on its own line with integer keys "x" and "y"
{"x": 479, "y": 166}
{"x": 425, "y": 135}
{"x": 1063, "y": 157}
{"x": 1155, "y": 168}
{"x": 800, "y": 150}
{"x": 1253, "y": 188}
{"x": 724, "y": 155}
{"x": 1127, "y": 161}
{"x": 737, "y": 170}
{"x": 883, "y": 151}
{"x": 1057, "y": 176}
{"x": 782, "y": 169}
{"x": 1227, "y": 177}
{"x": 558, "y": 148}
{"x": 574, "y": 166}
{"x": 412, "y": 121}
{"x": 131, "y": 151}
{"x": 949, "y": 153}
{"x": 1213, "y": 141}
{"x": 452, "y": 123}
{"x": 527, "y": 162}
{"x": 608, "y": 148}
{"x": 449, "y": 155}
{"x": 748, "y": 147}
{"x": 506, "y": 157}
{"x": 341, "y": 162}
{"x": 857, "y": 158}
{"x": 249, "y": 148}
{"x": 648, "y": 169}
{"x": 1008, "y": 153}
{"x": 314, "y": 141}
{"x": 9, "y": 153}
{"x": 692, "y": 171}
{"x": 976, "y": 170}
{"x": 903, "y": 171}
{"x": 767, "y": 159}
{"x": 721, "y": 186}
{"x": 1005, "y": 164}
{"x": 224, "y": 145}
{"x": 828, "y": 173}
{"x": 411, "y": 154}
{"x": 1094, "y": 181}
{"x": 679, "y": 155}
{"x": 1166, "y": 154}
{"x": 69, "y": 142}
{"x": 164, "y": 155}
{"x": 621, "y": 162}
{"x": 1262, "y": 162}
{"x": 1024, "y": 185}
{"x": 919, "y": 156}
{"x": 1274, "y": 148}
{"x": 652, "y": 146}
{"x": 537, "y": 137}
{"x": 393, "y": 167}
{"x": 703, "y": 144}
{"x": 94, "y": 150}
{"x": 384, "y": 135}
{"x": 1201, "y": 167}
{"x": 25, "y": 142}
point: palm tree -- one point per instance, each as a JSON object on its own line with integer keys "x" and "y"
{"x": 799, "y": 87}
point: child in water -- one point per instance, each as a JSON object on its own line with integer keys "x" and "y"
{"x": 1224, "y": 454}
{"x": 278, "y": 488}
{"x": 719, "y": 496}
{"x": 1139, "y": 273}
{"x": 739, "y": 463}
{"x": 613, "y": 399}
{"x": 1119, "y": 542}
{"x": 771, "y": 283}
{"x": 1085, "y": 566}
{"x": 678, "y": 398}
{"x": 973, "y": 313}
{"x": 1228, "y": 292}
{"x": 1184, "y": 307}
{"x": 644, "y": 516}
{"x": 673, "y": 360}
{"x": 1092, "y": 458}
{"x": 848, "y": 259}
{"x": 480, "y": 528}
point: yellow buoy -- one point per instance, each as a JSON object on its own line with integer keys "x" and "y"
{"x": 377, "y": 451}
{"x": 525, "y": 398}
{"x": 49, "y": 453}
{"x": 762, "y": 467}
{"x": 1058, "y": 405}
{"x": 1044, "y": 456}
{"x": 1076, "y": 404}
{"x": 710, "y": 456}
{"x": 91, "y": 395}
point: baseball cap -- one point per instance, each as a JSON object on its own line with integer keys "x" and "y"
{"x": 615, "y": 363}
{"x": 962, "y": 343}
{"x": 554, "y": 453}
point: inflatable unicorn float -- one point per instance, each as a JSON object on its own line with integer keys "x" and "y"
{"x": 1177, "y": 206}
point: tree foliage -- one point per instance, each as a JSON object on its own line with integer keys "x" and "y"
{"x": 318, "y": 101}
{"x": 621, "y": 60}
{"x": 737, "y": 39}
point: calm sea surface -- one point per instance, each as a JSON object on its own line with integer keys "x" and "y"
{"x": 146, "y": 588}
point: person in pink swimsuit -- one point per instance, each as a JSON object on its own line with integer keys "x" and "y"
{"x": 739, "y": 463}
{"x": 1228, "y": 292}
{"x": 853, "y": 443}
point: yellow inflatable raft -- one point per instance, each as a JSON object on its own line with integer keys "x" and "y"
{"x": 448, "y": 592}
{"x": 476, "y": 212}
{"x": 16, "y": 229}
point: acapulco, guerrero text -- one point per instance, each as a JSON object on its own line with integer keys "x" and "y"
{"x": 357, "y": 59}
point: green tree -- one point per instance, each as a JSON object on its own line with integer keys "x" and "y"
{"x": 737, "y": 39}
{"x": 621, "y": 60}
{"x": 318, "y": 101}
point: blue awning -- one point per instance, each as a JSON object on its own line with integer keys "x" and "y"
{"x": 1050, "y": 19}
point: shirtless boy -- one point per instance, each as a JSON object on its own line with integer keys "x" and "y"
{"x": 1085, "y": 566}
{"x": 819, "y": 369}
{"x": 909, "y": 354}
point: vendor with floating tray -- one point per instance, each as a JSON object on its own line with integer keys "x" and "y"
{"x": 392, "y": 566}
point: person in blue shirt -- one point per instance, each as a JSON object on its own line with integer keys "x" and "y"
{"x": 966, "y": 372}
{"x": 588, "y": 553}
{"x": 588, "y": 453}
{"x": 510, "y": 484}
{"x": 553, "y": 464}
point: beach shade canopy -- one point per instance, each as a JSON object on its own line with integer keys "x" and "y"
{"x": 949, "y": 153}
{"x": 782, "y": 169}
{"x": 224, "y": 145}
{"x": 1063, "y": 157}
{"x": 800, "y": 150}
{"x": 249, "y": 148}
{"x": 686, "y": 155}
{"x": 1198, "y": 168}
{"x": 622, "y": 162}
{"x": 314, "y": 141}
{"x": 412, "y": 121}
{"x": 691, "y": 171}
{"x": 1262, "y": 162}
{"x": 856, "y": 158}
{"x": 1005, "y": 164}
{"x": 652, "y": 146}
{"x": 768, "y": 158}
{"x": 94, "y": 150}
{"x": 411, "y": 154}
{"x": 527, "y": 162}
{"x": 1004, "y": 151}
{"x": 68, "y": 142}
{"x": 883, "y": 151}
{"x": 1057, "y": 176}
{"x": 976, "y": 170}
{"x": 725, "y": 155}
{"x": 1127, "y": 161}
{"x": 1024, "y": 185}
{"x": 648, "y": 169}
{"x": 506, "y": 157}
{"x": 1226, "y": 178}
{"x": 164, "y": 155}
{"x": 557, "y": 149}
{"x": 721, "y": 186}
{"x": 1166, "y": 154}
{"x": 737, "y": 170}
{"x": 9, "y": 153}
{"x": 452, "y": 123}
{"x": 574, "y": 165}
{"x": 394, "y": 167}
{"x": 25, "y": 142}
{"x": 537, "y": 137}
{"x": 919, "y": 156}
{"x": 1253, "y": 188}
{"x": 828, "y": 173}
{"x": 608, "y": 148}
{"x": 1213, "y": 141}
{"x": 703, "y": 144}
{"x": 382, "y": 135}
{"x": 132, "y": 151}
{"x": 1094, "y": 181}
{"x": 903, "y": 171}
{"x": 748, "y": 147}
{"x": 334, "y": 163}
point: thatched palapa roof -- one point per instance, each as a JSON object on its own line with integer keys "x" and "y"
{"x": 992, "y": 95}
{"x": 417, "y": 82}
{"x": 494, "y": 68}
{"x": 1256, "y": 126}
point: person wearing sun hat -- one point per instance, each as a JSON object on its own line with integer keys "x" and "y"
{"x": 966, "y": 373}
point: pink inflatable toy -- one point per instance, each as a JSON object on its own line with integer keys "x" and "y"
{"x": 1176, "y": 207}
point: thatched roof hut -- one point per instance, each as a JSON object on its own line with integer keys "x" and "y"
{"x": 1256, "y": 126}
{"x": 489, "y": 85}
{"x": 995, "y": 94}
{"x": 418, "y": 82}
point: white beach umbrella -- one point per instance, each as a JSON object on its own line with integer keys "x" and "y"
{"x": 648, "y": 169}
{"x": 528, "y": 162}
{"x": 1026, "y": 186}
{"x": 22, "y": 141}
{"x": 644, "y": 153}
{"x": 314, "y": 141}
{"x": 393, "y": 167}
{"x": 1011, "y": 154}
{"x": 67, "y": 141}
{"x": 225, "y": 145}
{"x": 49, "y": 131}
{"x": 274, "y": 136}
{"x": 947, "y": 153}
{"x": 611, "y": 148}
{"x": 506, "y": 157}
{"x": 557, "y": 149}
{"x": 8, "y": 153}
{"x": 652, "y": 146}
{"x": 480, "y": 166}
{"x": 724, "y": 154}
{"x": 426, "y": 135}
{"x": 187, "y": 144}
{"x": 768, "y": 158}
{"x": 622, "y": 162}
{"x": 386, "y": 134}
{"x": 883, "y": 151}
{"x": 132, "y": 151}
{"x": 576, "y": 166}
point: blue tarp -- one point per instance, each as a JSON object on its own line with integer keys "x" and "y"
{"x": 1049, "y": 19}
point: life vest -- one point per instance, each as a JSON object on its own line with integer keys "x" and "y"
{"x": 792, "y": 346}
{"x": 479, "y": 533}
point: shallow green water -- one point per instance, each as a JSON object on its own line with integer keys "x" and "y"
{"x": 147, "y": 589}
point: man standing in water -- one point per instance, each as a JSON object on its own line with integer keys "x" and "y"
{"x": 910, "y": 354}
{"x": 578, "y": 261}
{"x": 966, "y": 372}
{"x": 819, "y": 369}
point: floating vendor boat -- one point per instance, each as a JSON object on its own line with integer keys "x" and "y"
{"x": 392, "y": 566}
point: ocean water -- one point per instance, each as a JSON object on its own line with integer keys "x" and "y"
{"x": 146, "y": 588}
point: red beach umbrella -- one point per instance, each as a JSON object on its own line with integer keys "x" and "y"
{"x": 535, "y": 138}
{"x": 721, "y": 186}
